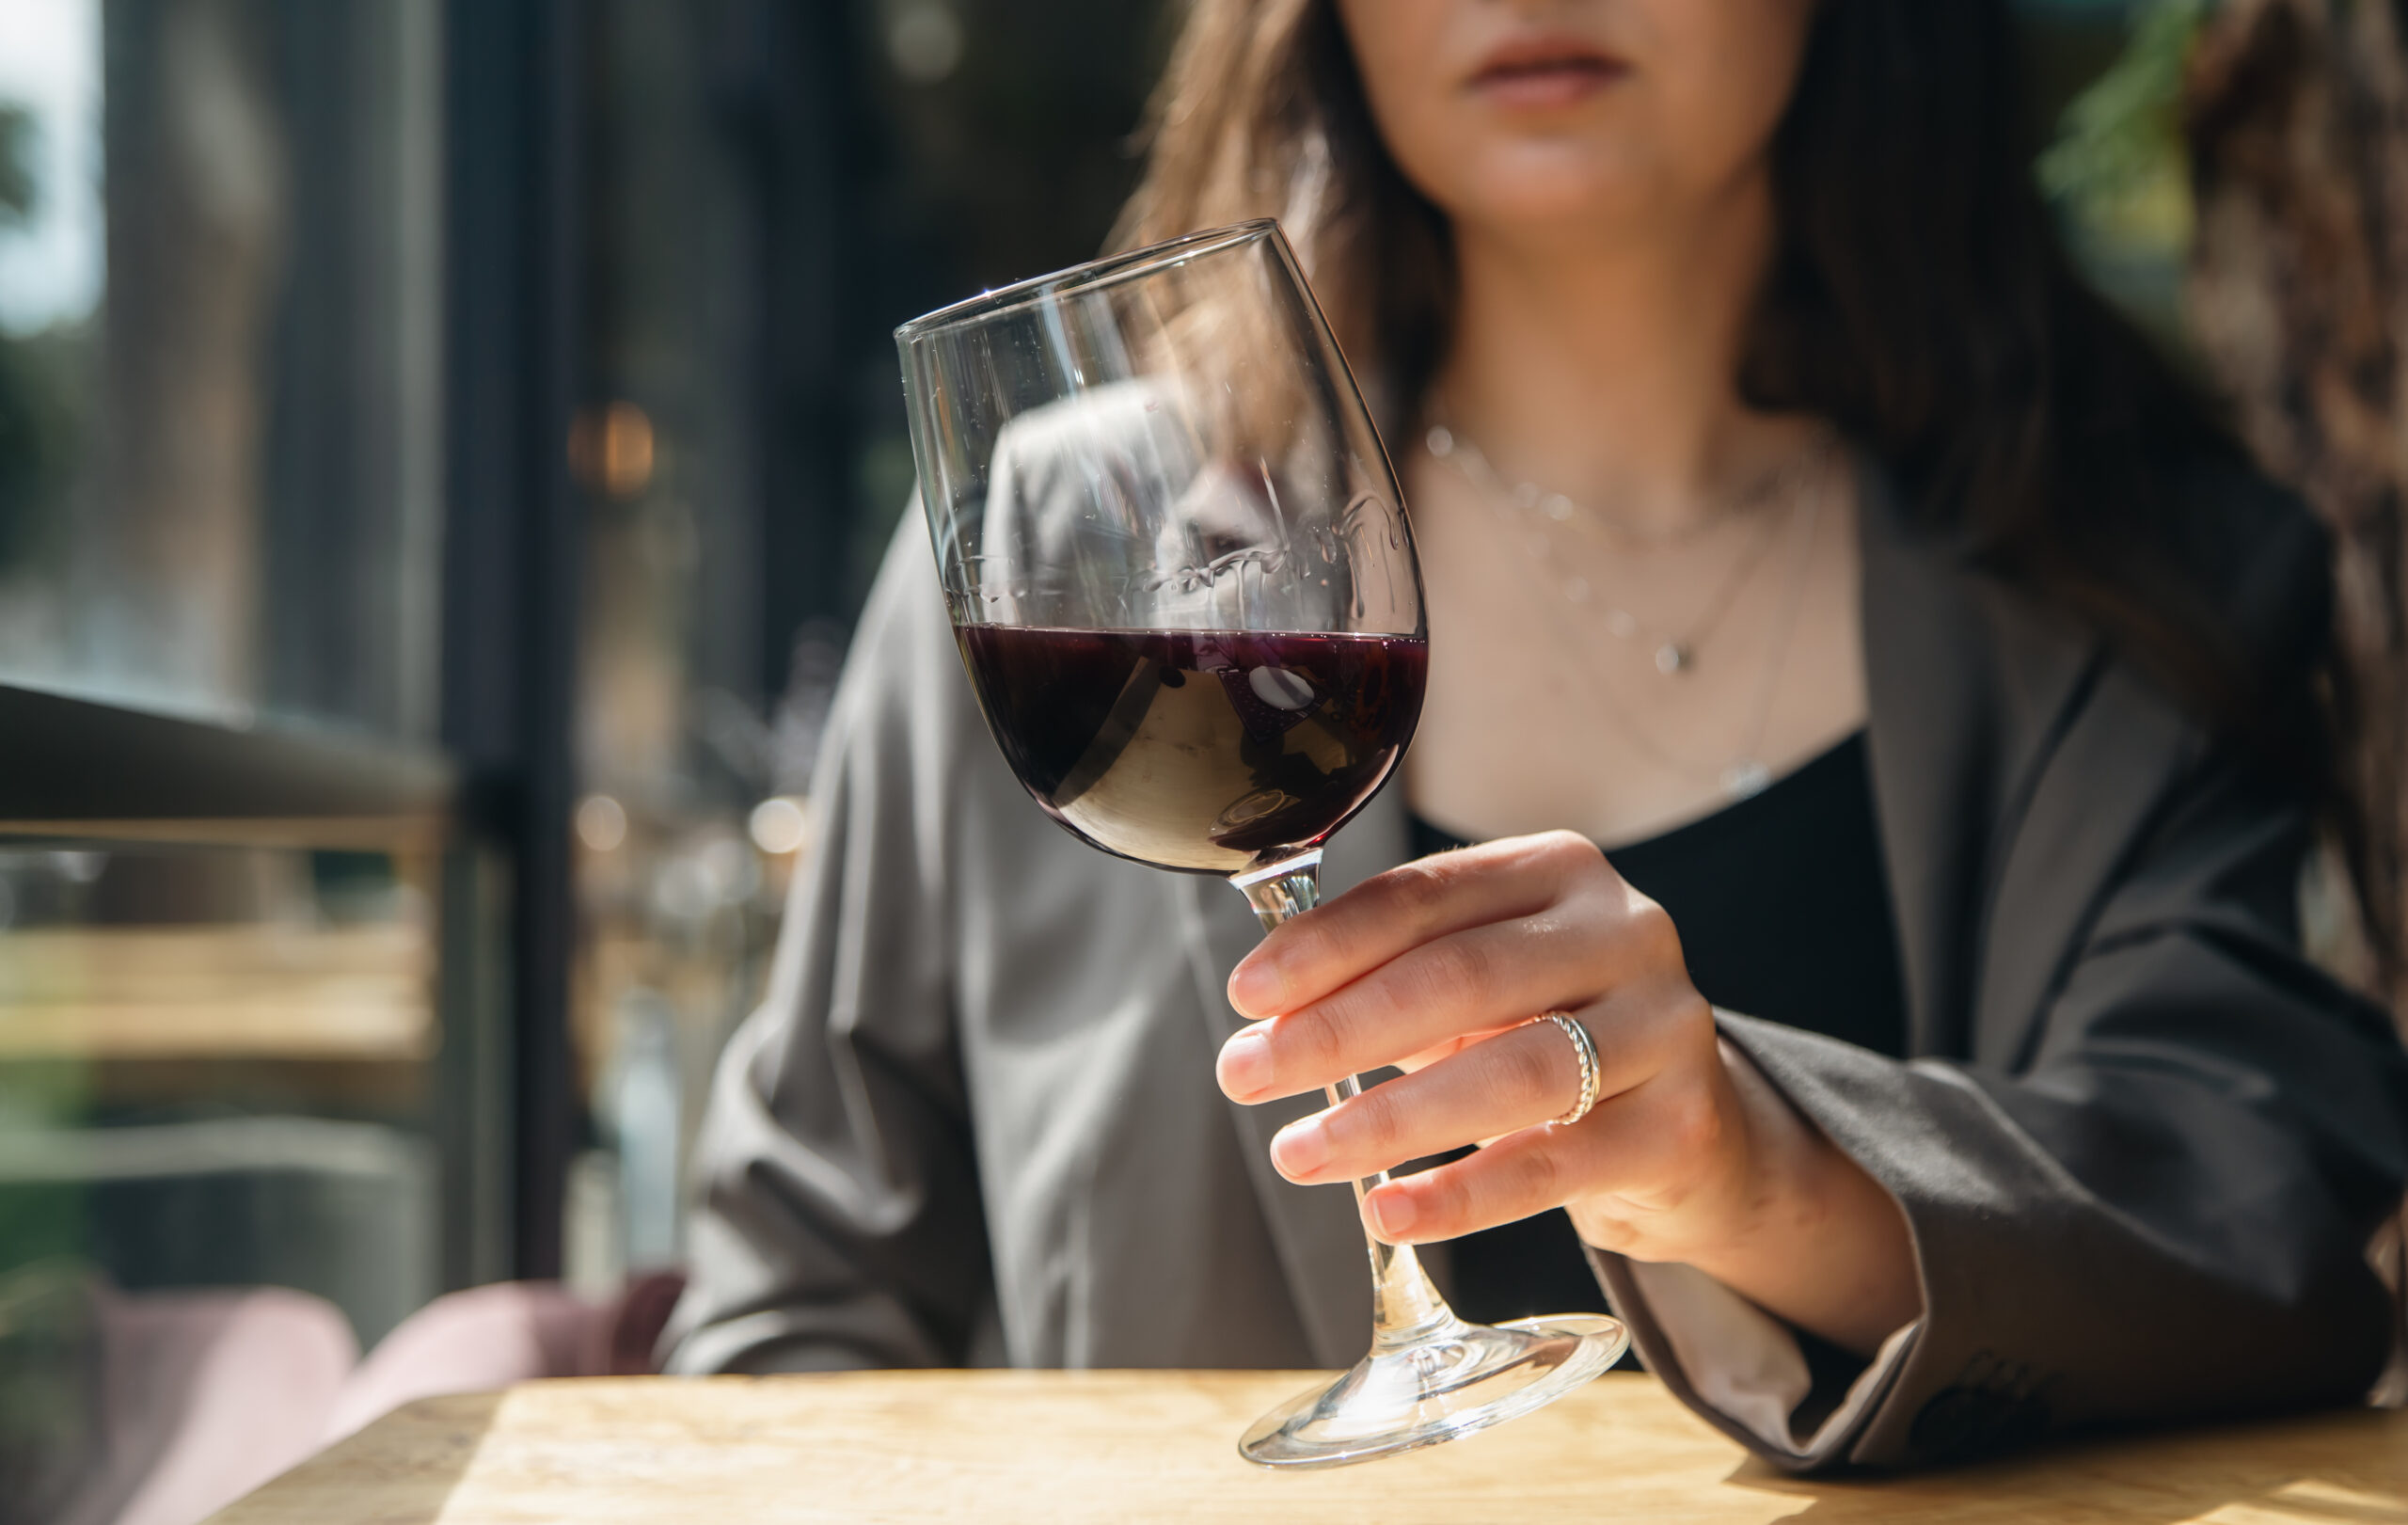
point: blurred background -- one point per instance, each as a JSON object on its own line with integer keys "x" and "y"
{"x": 443, "y": 447}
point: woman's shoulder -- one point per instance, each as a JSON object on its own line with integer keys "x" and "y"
{"x": 2220, "y": 605}
{"x": 903, "y": 694}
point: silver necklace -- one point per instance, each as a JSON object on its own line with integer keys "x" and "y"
{"x": 1674, "y": 651}
{"x": 1744, "y": 773}
{"x": 1449, "y": 443}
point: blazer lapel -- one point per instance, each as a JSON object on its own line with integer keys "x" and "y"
{"x": 1931, "y": 751}
{"x": 1320, "y": 1238}
{"x": 1974, "y": 691}
{"x": 2090, "y": 796}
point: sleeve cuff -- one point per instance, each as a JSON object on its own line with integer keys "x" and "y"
{"x": 1746, "y": 1369}
{"x": 1798, "y": 1402}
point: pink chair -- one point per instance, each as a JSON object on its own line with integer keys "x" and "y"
{"x": 511, "y": 1331}
{"x": 204, "y": 1395}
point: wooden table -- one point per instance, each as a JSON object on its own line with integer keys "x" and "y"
{"x": 1010, "y": 1446}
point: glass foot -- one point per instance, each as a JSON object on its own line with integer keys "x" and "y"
{"x": 1459, "y": 1380}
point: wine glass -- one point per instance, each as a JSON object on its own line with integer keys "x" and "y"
{"x": 1182, "y": 582}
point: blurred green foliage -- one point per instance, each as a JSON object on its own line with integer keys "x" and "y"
{"x": 2117, "y": 172}
{"x": 39, "y": 1221}
{"x": 2120, "y": 148}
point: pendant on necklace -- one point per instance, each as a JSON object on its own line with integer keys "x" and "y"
{"x": 1744, "y": 777}
{"x": 1674, "y": 658}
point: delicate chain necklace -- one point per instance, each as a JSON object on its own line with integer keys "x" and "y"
{"x": 1745, "y": 773}
{"x": 1675, "y": 652}
{"x": 1473, "y": 462}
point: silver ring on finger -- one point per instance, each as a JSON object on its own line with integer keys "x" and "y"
{"x": 1585, "y": 1050}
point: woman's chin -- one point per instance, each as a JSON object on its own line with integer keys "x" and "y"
{"x": 1538, "y": 214}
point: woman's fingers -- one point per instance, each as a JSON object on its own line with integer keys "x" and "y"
{"x": 1512, "y": 1081}
{"x": 1651, "y": 1137}
{"x": 1372, "y": 923}
{"x": 1471, "y": 981}
{"x": 1596, "y": 935}
{"x": 1438, "y": 967}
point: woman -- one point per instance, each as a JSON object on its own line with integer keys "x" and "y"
{"x": 1943, "y": 686}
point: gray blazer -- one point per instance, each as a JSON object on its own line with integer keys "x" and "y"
{"x": 2142, "y": 1143}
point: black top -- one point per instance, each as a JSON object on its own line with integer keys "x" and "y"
{"x": 1783, "y": 912}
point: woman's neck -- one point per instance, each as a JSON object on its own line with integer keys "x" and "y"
{"x": 1605, "y": 369}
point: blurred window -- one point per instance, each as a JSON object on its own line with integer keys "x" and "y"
{"x": 246, "y": 1010}
{"x": 220, "y": 239}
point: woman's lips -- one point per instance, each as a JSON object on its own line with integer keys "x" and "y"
{"x": 1545, "y": 74}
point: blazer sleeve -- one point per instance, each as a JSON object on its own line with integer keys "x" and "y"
{"x": 2161, "y": 1211}
{"x": 837, "y": 1220}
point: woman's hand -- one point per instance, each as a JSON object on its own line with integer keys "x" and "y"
{"x": 1688, "y": 1154}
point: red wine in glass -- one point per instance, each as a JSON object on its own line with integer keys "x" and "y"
{"x": 1197, "y": 750}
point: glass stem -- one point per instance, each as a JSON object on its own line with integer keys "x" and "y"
{"x": 1406, "y": 1308}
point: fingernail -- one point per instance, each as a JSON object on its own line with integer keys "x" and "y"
{"x": 1255, "y": 986}
{"x": 1300, "y": 1149}
{"x": 1393, "y": 1214}
{"x": 1244, "y": 1065}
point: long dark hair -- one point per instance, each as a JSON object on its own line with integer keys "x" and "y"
{"x": 1919, "y": 298}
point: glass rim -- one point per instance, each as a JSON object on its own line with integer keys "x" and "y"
{"x": 1002, "y": 300}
